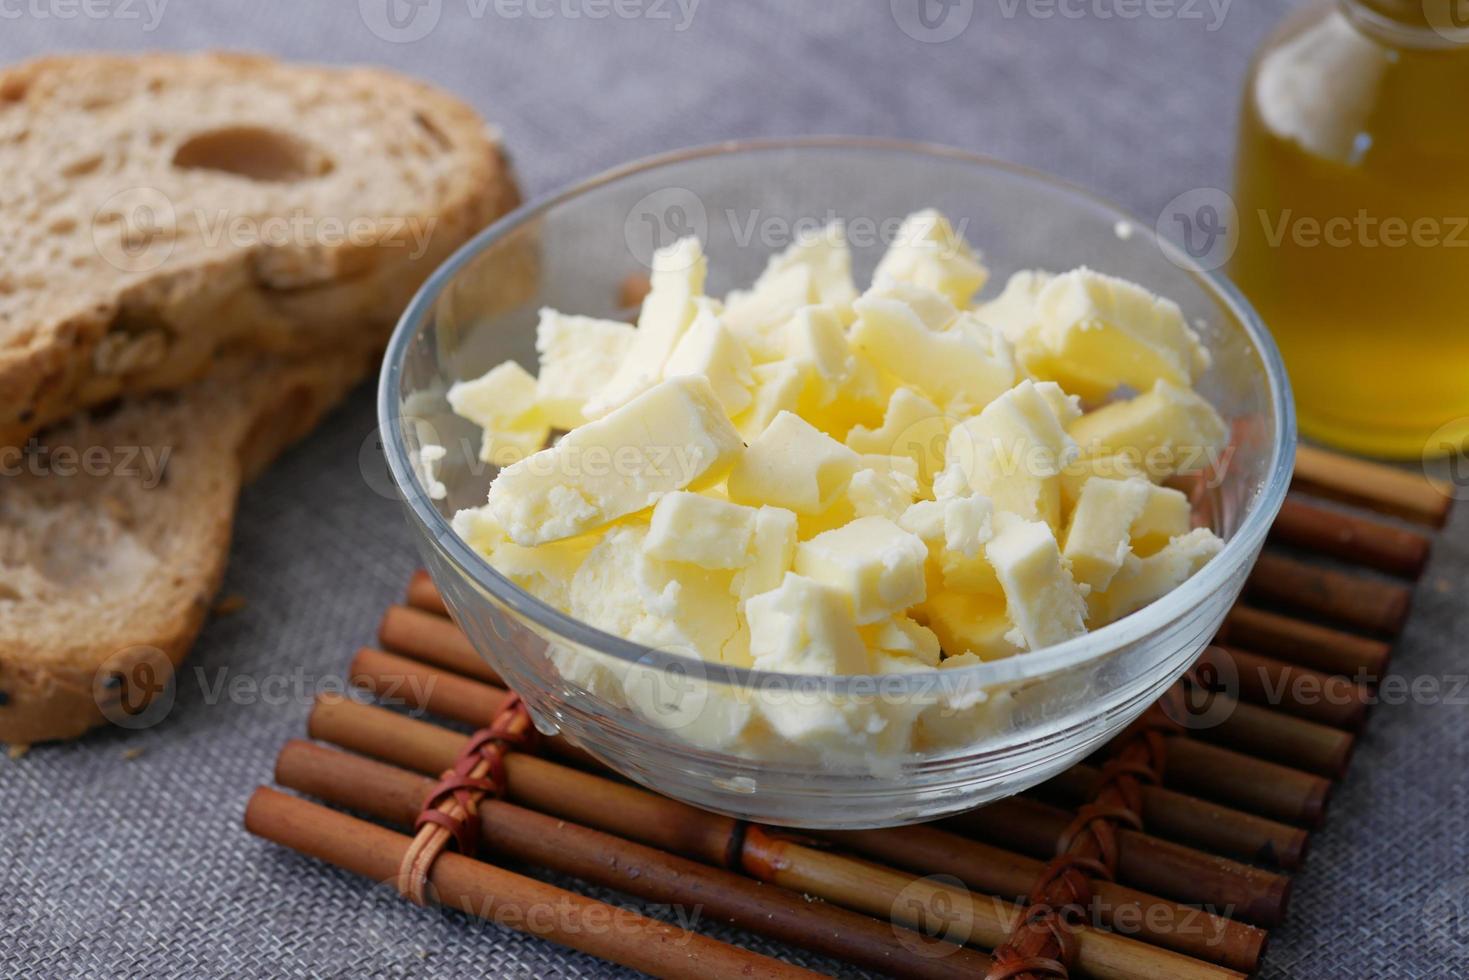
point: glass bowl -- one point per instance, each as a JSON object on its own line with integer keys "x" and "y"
{"x": 665, "y": 720}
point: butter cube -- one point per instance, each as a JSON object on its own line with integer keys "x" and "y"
{"x": 928, "y": 252}
{"x": 545, "y": 571}
{"x": 913, "y": 427}
{"x": 772, "y": 552}
{"x": 1096, "y": 333}
{"x": 504, "y": 403}
{"x": 701, "y": 530}
{"x": 873, "y": 493}
{"x": 968, "y": 524}
{"x": 793, "y": 465}
{"x": 1099, "y": 533}
{"x": 875, "y": 562}
{"x": 805, "y": 627}
{"x": 961, "y": 369}
{"x": 1013, "y": 453}
{"x": 1144, "y": 580}
{"x": 931, "y": 307}
{"x": 824, "y": 251}
{"x": 1167, "y": 430}
{"x": 1041, "y": 598}
{"x": 1115, "y": 467}
{"x": 779, "y": 386}
{"x": 902, "y": 638}
{"x": 974, "y": 624}
{"x": 709, "y": 350}
{"x": 816, "y": 340}
{"x": 670, "y": 606}
{"x": 1014, "y": 312}
{"x": 677, "y": 281}
{"x": 672, "y": 437}
{"x": 817, "y": 268}
{"x": 579, "y": 354}
{"x": 1165, "y": 516}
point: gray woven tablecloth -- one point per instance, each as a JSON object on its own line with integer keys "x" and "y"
{"x": 123, "y": 855}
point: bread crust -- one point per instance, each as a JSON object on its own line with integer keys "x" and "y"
{"x": 160, "y": 328}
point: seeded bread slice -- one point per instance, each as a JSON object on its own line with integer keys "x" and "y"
{"x": 114, "y": 533}
{"x": 156, "y": 211}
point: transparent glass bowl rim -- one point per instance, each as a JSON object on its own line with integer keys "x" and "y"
{"x": 1060, "y": 657}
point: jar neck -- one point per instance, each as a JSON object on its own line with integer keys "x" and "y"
{"x": 1430, "y": 24}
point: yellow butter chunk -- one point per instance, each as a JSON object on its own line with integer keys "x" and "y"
{"x": 1145, "y": 580}
{"x": 1013, "y": 312}
{"x": 672, "y": 437}
{"x": 701, "y": 530}
{"x": 873, "y": 561}
{"x": 772, "y": 552}
{"x": 1165, "y": 516}
{"x": 504, "y": 403}
{"x": 817, "y": 268}
{"x": 1095, "y": 333}
{"x": 710, "y": 350}
{"x": 792, "y": 465}
{"x": 805, "y": 627}
{"x": 1013, "y": 453}
{"x": 973, "y": 624}
{"x": 1167, "y": 430}
{"x": 779, "y": 386}
{"x": 579, "y": 354}
{"x": 913, "y": 427}
{"x": 1041, "y": 597}
{"x": 902, "y": 638}
{"x": 932, "y": 308}
{"x": 959, "y": 368}
{"x": 544, "y": 571}
{"x": 1099, "y": 534}
{"x": 670, "y": 606}
{"x": 816, "y": 341}
{"x": 677, "y": 281}
{"x": 928, "y": 252}
{"x": 874, "y": 493}
{"x": 1082, "y": 469}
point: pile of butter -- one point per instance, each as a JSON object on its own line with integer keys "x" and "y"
{"x": 804, "y": 479}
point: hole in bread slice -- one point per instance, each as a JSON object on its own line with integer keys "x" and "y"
{"x": 254, "y": 153}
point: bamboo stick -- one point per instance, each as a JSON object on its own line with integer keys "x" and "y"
{"x": 1188, "y": 820}
{"x": 424, "y": 594}
{"x": 936, "y": 907}
{"x": 928, "y": 850}
{"x": 1358, "y": 540}
{"x": 1382, "y": 488}
{"x": 434, "y": 639}
{"x": 656, "y": 821}
{"x": 1306, "y": 644}
{"x": 394, "y": 795}
{"x": 1266, "y": 734}
{"x": 1261, "y": 787}
{"x": 1328, "y": 699}
{"x": 530, "y": 906}
{"x": 1351, "y": 600}
{"x": 1158, "y": 867}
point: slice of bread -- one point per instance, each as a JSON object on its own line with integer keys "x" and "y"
{"x": 113, "y": 559}
{"x": 157, "y": 211}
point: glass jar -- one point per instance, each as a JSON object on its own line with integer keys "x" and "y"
{"x": 1353, "y": 192}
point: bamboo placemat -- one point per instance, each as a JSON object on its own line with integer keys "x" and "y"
{"x": 1167, "y": 854}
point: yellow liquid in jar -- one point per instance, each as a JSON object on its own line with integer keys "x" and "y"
{"x": 1353, "y": 196}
